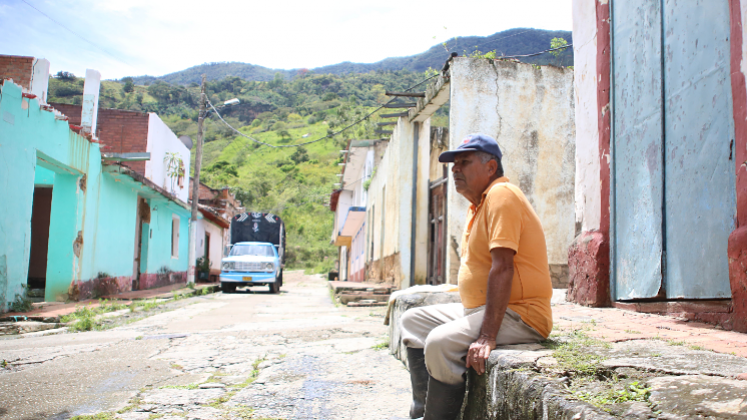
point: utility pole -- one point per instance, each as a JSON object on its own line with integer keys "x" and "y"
{"x": 196, "y": 189}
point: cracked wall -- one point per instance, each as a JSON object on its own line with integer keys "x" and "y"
{"x": 530, "y": 111}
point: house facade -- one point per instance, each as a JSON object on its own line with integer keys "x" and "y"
{"x": 217, "y": 207}
{"x": 76, "y": 221}
{"x": 661, "y": 185}
{"x": 349, "y": 205}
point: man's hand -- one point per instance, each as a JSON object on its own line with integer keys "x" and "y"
{"x": 499, "y": 291}
{"x": 478, "y": 353}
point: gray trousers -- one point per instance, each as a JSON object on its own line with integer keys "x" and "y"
{"x": 446, "y": 332}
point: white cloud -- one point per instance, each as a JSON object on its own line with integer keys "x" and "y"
{"x": 135, "y": 37}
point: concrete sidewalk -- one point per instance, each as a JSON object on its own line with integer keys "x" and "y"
{"x": 616, "y": 325}
{"x": 50, "y": 311}
{"x": 605, "y": 363}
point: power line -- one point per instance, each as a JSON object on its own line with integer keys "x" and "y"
{"x": 321, "y": 138}
{"x": 533, "y": 54}
{"x": 504, "y": 37}
{"x": 72, "y": 32}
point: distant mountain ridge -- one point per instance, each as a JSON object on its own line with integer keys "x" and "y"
{"x": 517, "y": 41}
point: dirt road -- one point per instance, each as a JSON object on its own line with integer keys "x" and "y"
{"x": 247, "y": 355}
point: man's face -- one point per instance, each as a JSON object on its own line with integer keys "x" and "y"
{"x": 471, "y": 176}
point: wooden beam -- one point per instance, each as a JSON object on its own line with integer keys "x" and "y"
{"x": 400, "y": 105}
{"x": 383, "y": 132}
{"x": 387, "y": 123}
{"x": 410, "y": 94}
{"x": 399, "y": 114}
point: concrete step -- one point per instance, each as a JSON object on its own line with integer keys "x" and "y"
{"x": 346, "y": 298}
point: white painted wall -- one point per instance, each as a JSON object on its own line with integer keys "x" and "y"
{"x": 89, "y": 109}
{"x": 422, "y": 200}
{"x": 216, "y": 242}
{"x": 530, "y": 112}
{"x": 588, "y": 197}
{"x": 40, "y": 79}
{"x": 161, "y": 140}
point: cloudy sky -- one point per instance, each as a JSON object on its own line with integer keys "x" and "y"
{"x": 136, "y": 37}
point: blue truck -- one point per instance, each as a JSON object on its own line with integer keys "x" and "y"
{"x": 257, "y": 253}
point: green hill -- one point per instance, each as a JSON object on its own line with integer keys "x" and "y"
{"x": 515, "y": 41}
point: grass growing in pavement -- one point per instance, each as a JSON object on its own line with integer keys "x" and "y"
{"x": 85, "y": 318}
{"x": 190, "y": 386}
{"x": 99, "y": 416}
{"x": 88, "y": 318}
{"x": 333, "y": 298}
{"x": 634, "y": 391}
{"x": 574, "y": 353}
{"x": 381, "y": 346}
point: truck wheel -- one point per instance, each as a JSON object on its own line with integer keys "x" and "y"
{"x": 227, "y": 287}
{"x": 281, "y": 278}
{"x": 274, "y": 287}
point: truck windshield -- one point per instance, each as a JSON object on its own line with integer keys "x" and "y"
{"x": 254, "y": 250}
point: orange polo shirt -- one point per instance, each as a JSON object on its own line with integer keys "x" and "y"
{"x": 505, "y": 219}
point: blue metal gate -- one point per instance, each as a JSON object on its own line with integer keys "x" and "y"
{"x": 674, "y": 188}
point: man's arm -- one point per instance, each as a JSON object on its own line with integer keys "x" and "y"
{"x": 499, "y": 292}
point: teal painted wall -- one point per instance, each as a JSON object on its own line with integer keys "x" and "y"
{"x": 62, "y": 234}
{"x": 38, "y": 149}
{"x": 159, "y": 245}
{"x": 43, "y": 177}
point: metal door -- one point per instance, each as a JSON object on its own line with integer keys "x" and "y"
{"x": 700, "y": 192}
{"x": 637, "y": 137}
{"x": 674, "y": 195}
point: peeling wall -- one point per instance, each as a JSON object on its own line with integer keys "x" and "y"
{"x": 530, "y": 112}
{"x": 588, "y": 187}
{"x": 391, "y": 199}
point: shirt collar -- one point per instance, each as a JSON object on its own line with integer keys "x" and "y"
{"x": 484, "y": 193}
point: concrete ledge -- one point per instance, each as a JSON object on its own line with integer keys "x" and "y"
{"x": 512, "y": 389}
{"x": 405, "y": 302}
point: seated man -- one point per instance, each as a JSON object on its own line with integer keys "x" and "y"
{"x": 504, "y": 284}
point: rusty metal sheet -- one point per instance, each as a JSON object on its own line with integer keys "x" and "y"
{"x": 700, "y": 193}
{"x": 637, "y": 148}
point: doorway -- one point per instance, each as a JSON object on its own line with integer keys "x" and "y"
{"x": 142, "y": 234}
{"x": 40, "y": 217}
{"x": 437, "y": 232}
{"x": 673, "y": 186}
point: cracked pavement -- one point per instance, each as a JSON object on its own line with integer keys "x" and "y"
{"x": 248, "y": 355}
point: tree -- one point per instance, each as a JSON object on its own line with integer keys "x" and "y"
{"x": 300, "y": 155}
{"x": 557, "y": 43}
{"x": 65, "y": 76}
{"x": 129, "y": 85}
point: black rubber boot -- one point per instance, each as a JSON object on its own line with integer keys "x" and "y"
{"x": 444, "y": 401}
{"x": 419, "y": 380}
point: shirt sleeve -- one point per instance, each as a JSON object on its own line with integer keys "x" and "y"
{"x": 504, "y": 218}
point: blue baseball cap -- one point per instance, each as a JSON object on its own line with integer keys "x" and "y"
{"x": 473, "y": 143}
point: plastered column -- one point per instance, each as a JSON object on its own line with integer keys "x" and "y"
{"x": 737, "y": 248}
{"x": 588, "y": 255}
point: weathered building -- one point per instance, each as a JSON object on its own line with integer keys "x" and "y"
{"x": 217, "y": 207}
{"x": 661, "y": 185}
{"x": 529, "y": 110}
{"x": 416, "y": 218}
{"x": 349, "y": 204}
{"x": 75, "y": 223}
